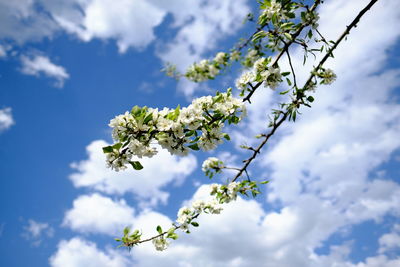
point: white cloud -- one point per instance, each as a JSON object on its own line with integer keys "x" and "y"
{"x": 39, "y": 64}
{"x": 3, "y": 51}
{"x": 35, "y": 231}
{"x": 146, "y": 184}
{"x": 322, "y": 167}
{"x": 24, "y": 21}
{"x": 200, "y": 25}
{"x": 390, "y": 241}
{"x": 6, "y": 119}
{"x": 98, "y": 214}
{"x": 78, "y": 252}
{"x": 288, "y": 237}
{"x": 130, "y": 23}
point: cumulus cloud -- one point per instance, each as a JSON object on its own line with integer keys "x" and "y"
{"x": 98, "y": 214}
{"x": 390, "y": 241}
{"x": 39, "y": 64}
{"x": 78, "y": 252}
{"x": 146, "y": 184}
{"x": 322, "y": 168}
{"x": 199, "y": 25}
{"x": 6, "y": 119}
{"x": 261, "y": 238}
{"x": 35, "y": 231}
{"x": 3, "y": 51}
{"x": 25, "y": 20}
{"x": 130, "y": 23}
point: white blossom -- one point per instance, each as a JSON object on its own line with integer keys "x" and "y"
{"x": 221, "y": 58}
{"x": 272, "y": 77}
{"x": 328, "y": 76}
{"x": 160, "y": 243}
{"x": 211, "y": 163}
{"x": 197, "y": 126}
{"x": 235, "y": 55}
{"x": 244, "y": 80}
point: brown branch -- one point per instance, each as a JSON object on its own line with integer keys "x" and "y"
{"x": 279, "y": 122}
{"x": 297, "y": 101}
{"x": 284, "y": 49}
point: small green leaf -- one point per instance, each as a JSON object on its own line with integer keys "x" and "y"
{"x": 136, "y": 165}
{"x": 136, "y": 110}
{"x": 159, "y": 229}
{"x": 117, "y": 146}
{"x": 284, "y": 92}
{"x": 194, "y": 147}
{"x": 148, "y": 118}
{"x": 288, "y": 35}
{"x": 310, "y": 99}
{"x": 173, "y": 236}
{"x": 126, "y": 230}
{"x": 227, "y": 137}
{"x": 107, "y": 149}
{"x": 195, "y": 224}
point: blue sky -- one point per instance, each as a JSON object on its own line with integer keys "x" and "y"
{"x": 68, "y": 67}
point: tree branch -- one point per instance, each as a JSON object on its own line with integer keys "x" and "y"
{"x": 297, "y": 100}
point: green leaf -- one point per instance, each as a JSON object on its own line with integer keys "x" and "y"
{"x": 195, "y": 224}
{"x": 227, "y": 137}
{"x": 284, "y": 92}
{"x": 159, "y": 229}
{"x": 117, "y": 146}
{"x": 107, "y": 149}
{"x": 310, "y": 99}
{"x": 173, "y": 236}
{"x": 136, "y": 110}
{"x": 264, "y": 182}
{"x": 194, "y": 147}
{"x": 310, "y": 34}
{"x": 285, "y": 73}
{"x": 288, "y": 35}
{"x": 291, "y": 15}
{"x": 126, "y": 230}
{"x": 148, "y": 118}
{"x": 136, "y": 165}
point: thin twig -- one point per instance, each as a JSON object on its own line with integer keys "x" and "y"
{"x": 291, "y": 67}
{"x": 297, "y": 101}
{"x": 285, "y": 114}
{"x": 284, "y": 49}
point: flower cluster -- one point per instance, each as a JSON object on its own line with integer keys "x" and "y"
{"x": 262, "y": 72}
{"x": 229, "y": 192}
{"x": 207, "y": 69}
{"x": 186, "y": 215}
{"x": 327, "y": 76}
{"x": 225, "y": 193}
{"x": 270, "y": 10}
{"x": 251, "y": 57}
{"x": 211, "y": 166}
{"x": 198, "y": 126}
{"x": 310, "y": 18}
{"x": 235, "y": 55}
{"x": 160, "y": 243}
